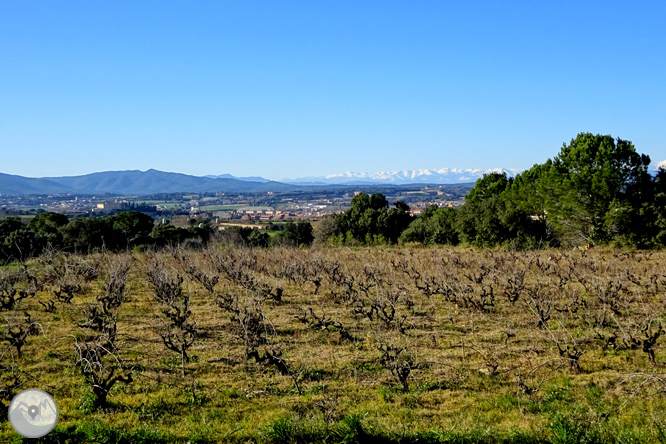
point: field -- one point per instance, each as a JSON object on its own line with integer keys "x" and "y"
{"x": 341, "y": 345}
{"x": 163, "y": 203}
{"x": 220, "y": 207}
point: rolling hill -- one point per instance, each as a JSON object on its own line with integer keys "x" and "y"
{"x": 132, "y": 182}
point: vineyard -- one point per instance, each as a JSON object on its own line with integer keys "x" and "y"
{"x": 386, "y": 344}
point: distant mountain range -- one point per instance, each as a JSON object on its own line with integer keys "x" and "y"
{"x": 246, "y": 179}
{"x": 403, "y": 177}
{"x": 133, "y": 183}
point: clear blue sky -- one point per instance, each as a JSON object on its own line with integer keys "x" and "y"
{"x": 297, "y": 88}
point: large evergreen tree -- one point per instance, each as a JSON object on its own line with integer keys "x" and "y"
{"x": 370, "y": 220}
{"x": 589, "y": 182}
{"x": 434, "y": 226}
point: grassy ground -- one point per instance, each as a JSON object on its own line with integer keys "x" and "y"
{"x": 350, "y": 345}
{"x": 219, "y": 207}
{"x": 163, "y": 203}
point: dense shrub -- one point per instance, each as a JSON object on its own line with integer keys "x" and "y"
{"x": 124, "y": 230}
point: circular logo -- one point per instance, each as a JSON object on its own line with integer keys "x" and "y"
{"x": 33, "y": 413}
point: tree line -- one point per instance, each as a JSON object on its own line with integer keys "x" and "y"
{"x": 124, "y": 230}
{"x": 597, "y": 190}
{"x": 298, "y": 233}
{"x": 128, "y": 230}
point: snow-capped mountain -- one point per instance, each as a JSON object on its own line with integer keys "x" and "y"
{"x": 431, "y": 176}
{"x": 661, "y": 165}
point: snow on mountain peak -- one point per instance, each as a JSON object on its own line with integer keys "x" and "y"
{"x": 434, "y": 176}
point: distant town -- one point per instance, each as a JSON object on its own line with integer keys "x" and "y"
{"x": 233, "y": 208}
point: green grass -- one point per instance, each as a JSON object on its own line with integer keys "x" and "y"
{"x": 163, "y": 203}
{"x": 219, "y": 207}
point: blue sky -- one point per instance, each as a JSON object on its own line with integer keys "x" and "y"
{"x": 299, "y": 88}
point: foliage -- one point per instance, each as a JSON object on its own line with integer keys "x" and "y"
{"x": 89, "y": 234}
{"x": 589, "y": 182}
{"x": 299, "y": 233}
{"x": 487, "y": 218}
{"x": 434, "y": 226}
{"x": 167, "y": 234}
{"x": 133, "y": 226}
{"x": 490, "y": 185}
{"x": 495, "y": 221}
{"x": 46, "y": 227}
{"x": 326, "y": 230}
{"x": 17, "y": 242}
{"x": 370, "y": 221}
{"x": 245, "y": 236}
{"x": 124, "y": 230}
{"x": 597, "y": 190}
